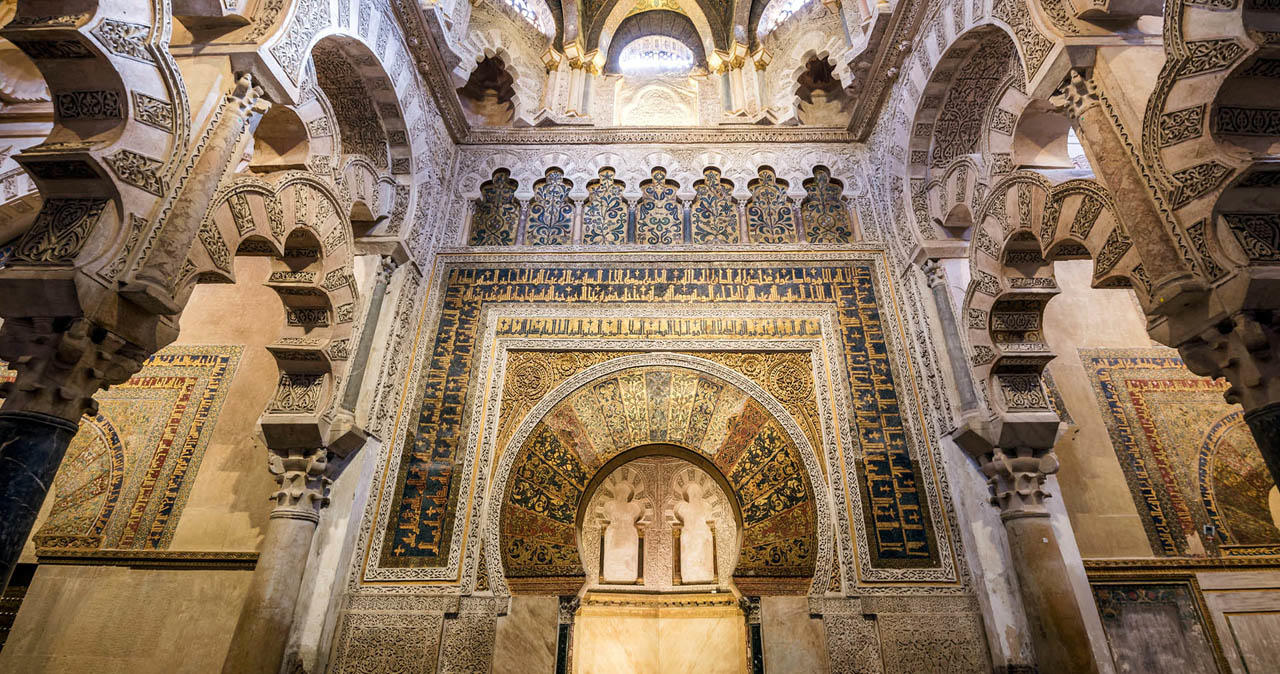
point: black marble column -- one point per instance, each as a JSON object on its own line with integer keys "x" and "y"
{"x": 1264, "y": 423}
{"x": 31, "y": 449}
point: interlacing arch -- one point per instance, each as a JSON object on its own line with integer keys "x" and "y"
{"x": 1020, "y": 229}
{"x": 298, "y": 222}
{"x": 1209, "y": 135}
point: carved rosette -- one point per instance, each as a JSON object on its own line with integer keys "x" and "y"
{"x": 1016, "y": 478}
{"x": 301, "y": 475}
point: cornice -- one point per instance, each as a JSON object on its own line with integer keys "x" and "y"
{"x": 651, "y": 135}
{"x": 882, "y": 60}
{"x": 185, "y": 559}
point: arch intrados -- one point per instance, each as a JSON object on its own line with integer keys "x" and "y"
{"x": 657, "y": 449}
{"x": 654, "y": 22}
{"x": 814, "y": 478}
{"x": 602, "y": 31}
{"x": 373, "y": 77}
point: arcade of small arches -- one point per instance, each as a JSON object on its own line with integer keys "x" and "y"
{"x": 639, "y": 336}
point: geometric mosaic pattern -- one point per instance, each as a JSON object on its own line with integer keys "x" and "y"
{"x": 647, "y": 405}
{"x": 900, "y": 532}
{"x": 127, "y": 473}
{"x": 1187, "y": 455}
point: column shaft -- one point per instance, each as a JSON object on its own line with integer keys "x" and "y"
{"x": 262, "y": 631}
{"x": 257, "y": 646}
{"x": 1058, "y": 631}
{"x": 31, "y": 449}
{"x": 1264, "y": 423}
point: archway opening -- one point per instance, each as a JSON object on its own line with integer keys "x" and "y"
{"x": 487, "y": 97}
{"x": 1044, "y": 139}
{"x": 658, "y": 529}
{"x": 280, "y": 142}
{"x": 823, "y": 102}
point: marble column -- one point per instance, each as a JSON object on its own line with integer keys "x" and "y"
{"x": 1058, "y": 631}
{"x": 937, "y": 281}
{"x": 258, "y": 644}
{"x": 31, "y": 449}
{"x": 59, "y": 363}
{"x": 355, "y": 376}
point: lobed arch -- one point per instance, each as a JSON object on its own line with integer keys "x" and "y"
{"x": 299, "y": 222}
{"x": 545, "y": 412}
{"x": 784, "y": 74}
{"x": 1020, "y": 229}
{"x": 953, "y": 124}
{"x": 372, "y": 42}
{"x": 526, "y": 80}
{"x": 970, "y": 133}
{"x": 1206, "y": 143}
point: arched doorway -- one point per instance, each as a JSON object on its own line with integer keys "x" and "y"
{"x": 657, "y": 495}
{"x": 658, "y": 531}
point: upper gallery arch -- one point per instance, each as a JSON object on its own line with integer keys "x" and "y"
{"x": 710, "y": 17}
{"x": 666, "y": 23}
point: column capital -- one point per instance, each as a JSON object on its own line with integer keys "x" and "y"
{"x": 933, "y": 272}
{"x": 1245, "y": 349}
{"x": 387, "y": 265}
{"x": 1016, "y": 478}
{"x": 61, "y": 362}
{"x": 1076, "y": 94}
{"x": 302, "y": 477}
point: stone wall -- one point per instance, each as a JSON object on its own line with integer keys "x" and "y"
{"x": 79, "y": 615}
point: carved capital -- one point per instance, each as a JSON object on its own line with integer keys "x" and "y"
{"x": 303, "y": 481}
{"x": 1016, "y": 477}
{"x": 933, "y": 274}
{"x": 1076, "y": 95}
{"x": 61, "y": 363}
{"x": 387, "y": 266}
{"x": 1245, "y": 350}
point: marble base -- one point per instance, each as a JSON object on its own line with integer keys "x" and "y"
{"x": 672, "y": 634}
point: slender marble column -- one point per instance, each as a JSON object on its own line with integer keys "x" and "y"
{"x": 1058, "y": 631}
{"x": 31, "y": 449}
{"x": 951, "y": 335}
{"x": 355, "y": 377}
{"x": 258, "y": 645}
